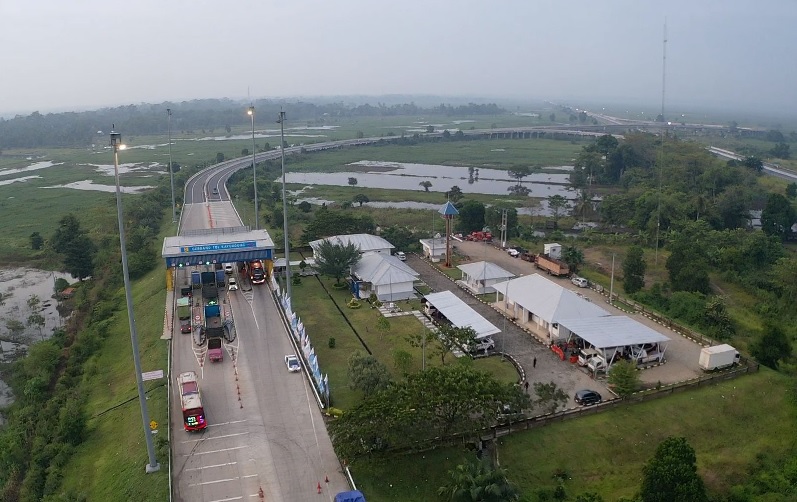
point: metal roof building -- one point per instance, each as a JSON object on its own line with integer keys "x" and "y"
{"x": 612, "y": 331}
{"x": 460, "y": 314}
{"x": 217, "y": 245}
{"x": 481, "y": 276}
{"x": 365, "y": 242}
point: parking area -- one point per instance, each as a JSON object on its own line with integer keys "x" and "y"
{"x": 682, "y": 354}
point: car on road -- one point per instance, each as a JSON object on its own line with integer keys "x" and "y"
{"x": 586, "y": 397}
{"x": 215, "y": 190}
{"x": 228, "y": 268}
{"x": 580, "y": 281}
{"x": 401, "y": 256}
{"x": 292, "y": 363}
{"x": 185, "y": 325}
{"x": 232, "y": 284}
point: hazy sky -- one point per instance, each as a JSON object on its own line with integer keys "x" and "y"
{"x": 65, "y": 55}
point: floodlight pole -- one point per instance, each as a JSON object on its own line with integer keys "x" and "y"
{"x": 285, "y": 206}
{"x": 153, "y": 466}
{"x": 171, "y": 166}
{"x": 251, "y": 113}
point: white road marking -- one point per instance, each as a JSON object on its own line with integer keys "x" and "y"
{"x": 214, "y": 451}
{"x": 215, "y": 437}
{"x": 227, "y": 423}
{"x": 210, "y": 466}
{"x": 214, "y": 482}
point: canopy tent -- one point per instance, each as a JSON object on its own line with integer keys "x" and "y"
{"x": 612, "y": 331}
{"x": 460, "y": 314}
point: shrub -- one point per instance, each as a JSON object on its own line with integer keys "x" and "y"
{"x": 331, "y": 342}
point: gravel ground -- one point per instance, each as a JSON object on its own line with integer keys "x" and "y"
{"x": 682, "y": 353}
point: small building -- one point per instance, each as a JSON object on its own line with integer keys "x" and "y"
{"x": 388, "y": 277}
{"x": 541, "y": 302}
{"x": 480, "y": 276}
{"x": 434, "y": 249}
{"x": 66, "y": 293}
{"x": 366, "y": 243}
{"x": 460, "y": 314}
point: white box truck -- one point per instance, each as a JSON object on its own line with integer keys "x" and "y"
{"x": 718, "y": 357}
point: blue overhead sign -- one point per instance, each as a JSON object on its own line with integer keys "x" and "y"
{"x": 225, "y": 246}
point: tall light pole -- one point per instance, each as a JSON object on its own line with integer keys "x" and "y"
{"x": 251, "y": 112}
{"x": 281, "y": 122}
{"x": 153, "y": 466}
{"x": 171, "y": 166}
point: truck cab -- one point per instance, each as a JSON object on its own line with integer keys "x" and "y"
{"x": 584, "y": 356}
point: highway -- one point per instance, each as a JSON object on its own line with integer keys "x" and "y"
{"x": 266, "y": 438}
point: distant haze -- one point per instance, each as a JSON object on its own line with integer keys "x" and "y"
{"x": 728, "y": 54}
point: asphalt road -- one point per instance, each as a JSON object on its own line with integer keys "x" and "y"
{"x": 266, "y": 431}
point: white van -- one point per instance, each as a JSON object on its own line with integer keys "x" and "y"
{"x": 232, "y": 284}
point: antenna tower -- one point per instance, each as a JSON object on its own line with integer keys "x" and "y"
{"x": 663, "y": 135}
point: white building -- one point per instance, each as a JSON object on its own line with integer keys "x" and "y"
{"x": 434, "y": 249}
{"x": 387, "y": 276}
{"x": 480, "y": 276}
{"x": 366, "y": 243}
{"x": 537, "y": 300}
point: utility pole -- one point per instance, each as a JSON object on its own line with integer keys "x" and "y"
{"x": 171, "y": 165}
{"x": 285, "y": 206}
{"x": 611, "y": 284}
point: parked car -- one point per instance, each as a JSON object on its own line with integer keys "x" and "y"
{"x": 513, "y": 252}
{"x": 232, "y": 284}
{"x": 292, "y": 363}
{"x": 401, "y": 256}
{"x": 586, "y": 397}
{"x": 482, "y": 345}
{"x": 580, "y": 281}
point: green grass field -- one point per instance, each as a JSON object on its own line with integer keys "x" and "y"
{"x": 109, "y": 465}
{"x": 731, "y": 426}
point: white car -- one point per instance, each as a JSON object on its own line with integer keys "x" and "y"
{"x": 228, "y": 268}
{"x": 514, "y": 253}
{"x": 232, "y": 284}
{"x": 292, "y": 363}
{"x": 580, "y": 282}
{"x": 401, "y": 256}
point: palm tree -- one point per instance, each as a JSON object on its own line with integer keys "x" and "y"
{"x": 583, "y": 204}
{"x": 477, "y": 481}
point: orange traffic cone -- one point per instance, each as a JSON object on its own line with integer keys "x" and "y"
{"x": 319, "y": 487}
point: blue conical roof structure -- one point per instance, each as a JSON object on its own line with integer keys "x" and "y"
{"x": 448, "y": 210}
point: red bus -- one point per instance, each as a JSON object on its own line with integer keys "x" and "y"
{"x": 256, "y": 272}
{"x": 191, "y": 402}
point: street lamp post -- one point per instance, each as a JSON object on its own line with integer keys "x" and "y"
{"x": 171, "y": 166}
{"x": 251, "y": 112}
{"x": 281, "y": 122}
{"x": 153, "y": 466}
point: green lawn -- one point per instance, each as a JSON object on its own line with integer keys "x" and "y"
{"x": 729, "y": 425}
{"x": 110, "y": 464}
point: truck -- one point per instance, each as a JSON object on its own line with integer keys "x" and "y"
{"x": 184, "y": 308}
{"x": 256, "y": 272}
{"x": 220, "y": 278}
{"x": 209, "y": 289}
{"x": 196, "y": 280}
{"x": 552, "y": 266}
{"x": 479, "y": 236}
{"x": 214, "y": 330}
{"x": 191, "y": 402}
{"x": 718, "y": 357}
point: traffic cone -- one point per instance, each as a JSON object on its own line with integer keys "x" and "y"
{"x": 319, "y": 487}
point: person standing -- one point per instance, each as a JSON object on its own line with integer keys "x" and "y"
{"x": 534, "y": 363}
{"x": 526, "y": 385}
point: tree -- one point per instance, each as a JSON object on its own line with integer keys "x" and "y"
{"x": 556, "y": 203}
{"x": 219, "y": 157}
{"x": 336, "y": 260}
{"x": 426, "y": 185}
{"x": 352, "y": 181}
{"x": 430, "y": 128}
{"x": 671, "y": 475}
{"x": 549, "y": 397}
{"x": 367, "y": 374}
{"x": 624, "y": 376}
{"x": 519, "y": 172}
{"x": 454, "y": 194}
{"x": 402, "y": 361}
{"x": 780, "y": 151}
{"x": 305, "y": 206}
{"x": 778, "y": 216}
{"x": 634, "y": 270}
{"x": 552, "y": 117}
{"x": 574, "y": 258}
{"x": 450, "y": 338}
{"x": 244, "y": 152}
{"x": 791, "y": 191}
{"x": 36, "y": 241}
{"x": 477, "y": 481}
{"x": 471, "y": 216}
{"x": 754, "y": 163}
{"x": 382, "y": 325}
{"x": 716, "y": 318}
{"x": 361, "y": 198}
{"x": 772, "y": 346}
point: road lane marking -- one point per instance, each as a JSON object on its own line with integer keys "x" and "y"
{"x": 226, "y": 500}
{"x": 213, "y": 482}
{"x": 215, "y": 437}
{"x": 210, "y": 466}
{"x": 215, "y": 451}
{"x": 227, "y": 423}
